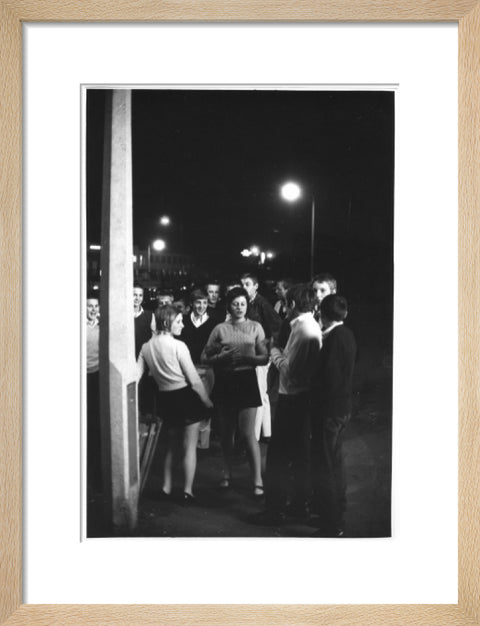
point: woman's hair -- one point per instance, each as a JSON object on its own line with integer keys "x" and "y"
{"x": 234, "y": 293}
{"x": 164, "y": 316}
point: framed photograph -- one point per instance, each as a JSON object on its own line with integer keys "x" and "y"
{"x": 386, "y": 115}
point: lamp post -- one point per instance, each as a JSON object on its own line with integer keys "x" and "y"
{"x": 291, "y": 192}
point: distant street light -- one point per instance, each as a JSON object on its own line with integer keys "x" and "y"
{"x": 165, "y": 220}
{"x": 291, "y": 192}
{"x": 158, "y": 245}
{"x": 255, "y": 250}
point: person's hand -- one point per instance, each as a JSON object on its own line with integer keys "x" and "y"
{"x": 208, "y": 403}
{"x": 227, "y": 354}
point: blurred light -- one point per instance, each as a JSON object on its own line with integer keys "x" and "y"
{"x": 269, "y": 255}
{"x": 134, "y": 258}
{"x": 158, "y": 245}
{"x": 165, "y": 220}
{"x": 262, "y": 258}
{"x": 255, "y": 250}
{"x": 94, "y": 247}
{"x": 245, "y": 252}
{"x": 290, "y": 191}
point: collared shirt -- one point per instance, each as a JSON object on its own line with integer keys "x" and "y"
{"x": 297, "y": 361}
{"x": 138, "y": 313}
{"x": 198, "y": 321}
{"x": 330, "y": 328}
{"x": 93, "y": 337}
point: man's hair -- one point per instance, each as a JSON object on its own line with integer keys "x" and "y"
{"x": 334, "y": 307}
{"x": 138, "y": 286}
{"x": 212, "y": 282}
{"x": 198, "y": 294}
{"x": 93, "y": 294}
{"x": 164, "y": 316}
{"x": 236, "y": 292}
{"x": 325, "y": 278}
{"x": 164, "y": 292}
{"x": 304, "y": 297}
{"x": 252, "y": 277}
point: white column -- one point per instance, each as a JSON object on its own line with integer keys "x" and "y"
{"x": 117, "y": 355}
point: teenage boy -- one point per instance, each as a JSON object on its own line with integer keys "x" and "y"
{"x": 94, "y": 479}
{"x": 290, "y": 442}
{"x": 198, "y": 325}
{"x": 143, "y": 320}
{"x": 323, "y": 285}
{"x": 330, "y": 414}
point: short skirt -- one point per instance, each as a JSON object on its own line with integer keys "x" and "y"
{"x": 181, "y": 407}
{"x": 236, "y": 389}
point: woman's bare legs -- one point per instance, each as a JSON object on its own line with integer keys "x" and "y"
{"x": 168, "y": 461}
{"x": 246, "y": 422}
{"x": 190, "y": 439}
{"x": 228, "y": 420}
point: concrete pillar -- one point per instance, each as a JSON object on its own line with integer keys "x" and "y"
{"x": 118, "y": 396}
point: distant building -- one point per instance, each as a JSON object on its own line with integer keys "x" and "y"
{"x": 149, "y": 266}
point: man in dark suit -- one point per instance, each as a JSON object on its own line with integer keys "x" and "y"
{"x": 331, "y": 412}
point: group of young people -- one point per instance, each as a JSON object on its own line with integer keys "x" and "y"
{"x": 280, "y": 372}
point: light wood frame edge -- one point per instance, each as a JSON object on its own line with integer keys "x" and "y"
{"x": 13, "y": 13}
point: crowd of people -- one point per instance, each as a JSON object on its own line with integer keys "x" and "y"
{"x": 277, "y": 372}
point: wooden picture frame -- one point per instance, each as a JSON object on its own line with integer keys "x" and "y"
{"x": 13, "y": 13}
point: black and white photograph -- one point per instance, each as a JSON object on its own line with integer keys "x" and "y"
{"x": 238, "y": 293}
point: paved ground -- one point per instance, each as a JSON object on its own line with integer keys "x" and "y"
{"x": 217, "y": 514}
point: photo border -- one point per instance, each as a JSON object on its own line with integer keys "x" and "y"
{"x": 13, "y": 13}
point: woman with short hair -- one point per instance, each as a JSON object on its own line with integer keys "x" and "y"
{"x": 182, "y": 398}
{"x": 234, "y": 348}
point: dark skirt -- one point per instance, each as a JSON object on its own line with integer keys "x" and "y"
{"x": 181, "y": 407}
{"x": 236, "y": 389}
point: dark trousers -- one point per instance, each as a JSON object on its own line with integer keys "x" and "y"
{"x": 289, "y": 450}
{"x": 328, "y": 467}
{"x": 94, "y": 463}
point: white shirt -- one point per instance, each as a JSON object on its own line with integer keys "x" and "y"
{"x": 198, "y": 321}
{"x": 296, "y": 362}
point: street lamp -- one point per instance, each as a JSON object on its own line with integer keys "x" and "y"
{"x": 158, "y": 245}
{"x": 165, "y": 220}
{"x": 291, "y": 192}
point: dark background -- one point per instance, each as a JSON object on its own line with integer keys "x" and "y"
{"x": 214, "y": 161}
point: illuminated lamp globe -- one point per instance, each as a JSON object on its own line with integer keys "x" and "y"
{"x": 291, "y": 192}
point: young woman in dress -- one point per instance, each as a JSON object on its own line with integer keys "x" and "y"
{"x": 234, "y": 348}
{"x": 182, "y": 399}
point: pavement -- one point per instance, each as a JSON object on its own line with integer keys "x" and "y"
{"x": 219, "y": 513}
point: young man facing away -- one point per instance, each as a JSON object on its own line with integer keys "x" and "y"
{"x": 330, "y": 414}
{"x": 260, "y": 310}
{"x": 290, "y": 442}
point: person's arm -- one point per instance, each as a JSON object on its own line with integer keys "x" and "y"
{"x": 191, "y": 374}
{"x": 141, "y": 366}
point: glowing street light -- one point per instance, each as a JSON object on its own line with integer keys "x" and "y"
{"x": 165, "y": 220}
{"x": 291, "y": 192}
{"x": 255, "y": 250}
{"x": 158, "y": 245}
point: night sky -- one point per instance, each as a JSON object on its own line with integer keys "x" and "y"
{"x": 214, "y": 160}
